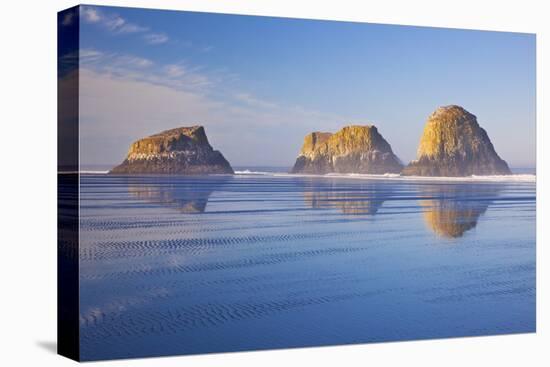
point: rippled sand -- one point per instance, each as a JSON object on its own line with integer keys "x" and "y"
{"x": 175, "y": 265}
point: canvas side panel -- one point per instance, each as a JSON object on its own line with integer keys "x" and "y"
{"x": 68, "y": 343}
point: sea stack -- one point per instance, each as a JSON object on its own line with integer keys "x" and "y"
{"x": 184, "y": 150}
{"x": 453, "y": 144}
{"x": 354, "y": 149}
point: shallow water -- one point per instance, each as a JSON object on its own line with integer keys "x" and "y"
{"x": 185, "y": 265}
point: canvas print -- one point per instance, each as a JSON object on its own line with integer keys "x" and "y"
{"x": 234, "y": 183}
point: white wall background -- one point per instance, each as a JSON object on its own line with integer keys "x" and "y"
{"x": 28, "y": 182}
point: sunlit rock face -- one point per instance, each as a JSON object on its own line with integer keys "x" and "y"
{"x": 183, "y": 150}
{"x": 354, "y": 149}
{"x": 453, "y": 144}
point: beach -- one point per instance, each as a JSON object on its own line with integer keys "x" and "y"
{"x": 263, "y": 260}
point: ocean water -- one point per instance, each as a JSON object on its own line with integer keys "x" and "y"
{"x": 186, "y": 265}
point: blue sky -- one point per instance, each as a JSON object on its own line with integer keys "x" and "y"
{"x": 259, "y": 84}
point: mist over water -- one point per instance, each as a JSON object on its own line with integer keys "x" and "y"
{"x": 185, "y": 265}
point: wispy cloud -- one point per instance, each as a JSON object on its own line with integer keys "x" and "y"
{"x": 70, "y": 61}
{"x": 156, "y": 38}
{"x": 90, "y": 57}
{"x": 120, "y": 25}
{"x": 117, "y": 24}
{"x": 112, "y": 22}
{"x": 253, "y": 101}
{"x": 174, "y": 70}
{"x": 90, "y": 14}
{"x": 164, "y": 96}
{"x": 133, "y": 61}
{"x": 179, "y": 76}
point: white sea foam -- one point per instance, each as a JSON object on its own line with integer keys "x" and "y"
{"x": 386, "y": 176}
{"x": 94, "y": 172}
{"x": 86, "y": 172}
{"x": 249, "y": 172}
{"x": 497, "y": 178}
{"x": 398, "y": 177}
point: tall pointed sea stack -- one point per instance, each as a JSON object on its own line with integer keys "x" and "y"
{"x": 453, "y": 144}
{"x": 183, "y": 150}
{"x": 354, "y": 149}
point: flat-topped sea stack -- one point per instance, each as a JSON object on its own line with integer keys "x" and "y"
{"x": 453, "y": 144}
{"x": 354, "y": 149}
{"x": 183, "y": 150}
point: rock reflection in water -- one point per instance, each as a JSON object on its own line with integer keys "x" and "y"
{"x": 365, "y": 201}
{"x": 187, "y": 195}
{"x": 452, "y": 210}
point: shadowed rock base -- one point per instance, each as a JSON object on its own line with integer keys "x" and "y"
{"x": 456, "y": 167}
